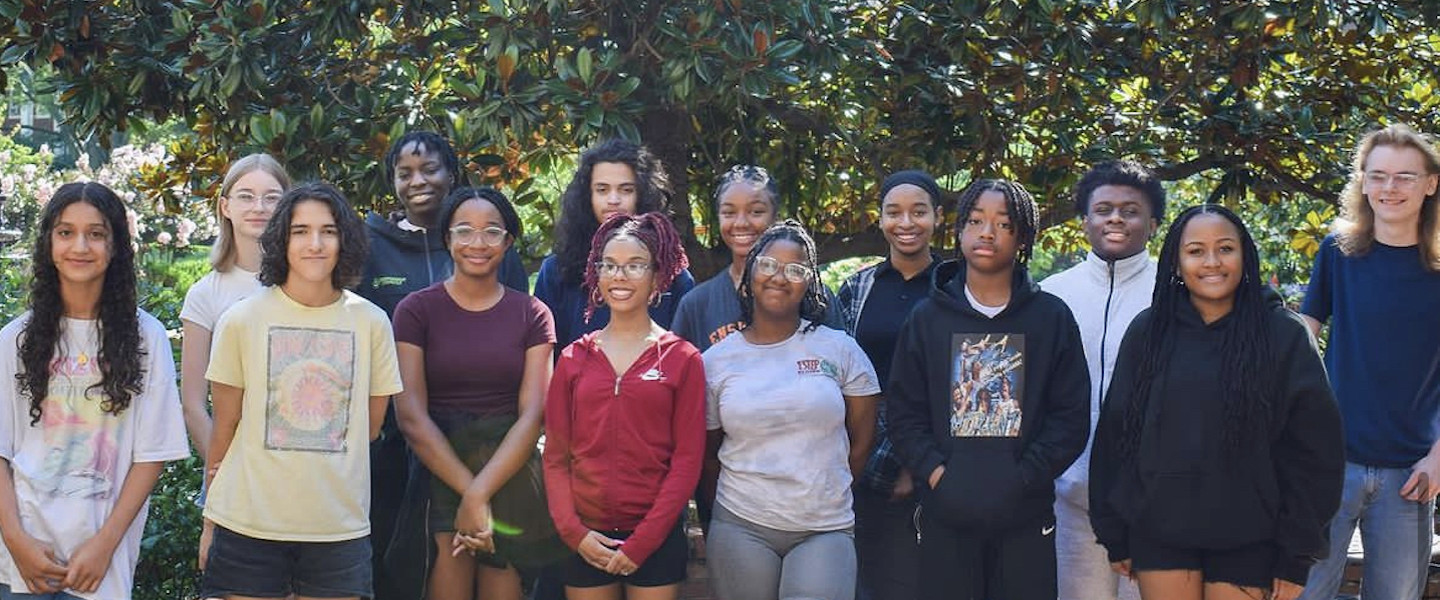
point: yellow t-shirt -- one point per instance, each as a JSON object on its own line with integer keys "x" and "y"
{"x": 298, "y": 469}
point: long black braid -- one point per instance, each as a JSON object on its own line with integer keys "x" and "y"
{"x": 1246, "y": 372}
{"x": 813, "y": 307}
{"x": 1018, "y": 202}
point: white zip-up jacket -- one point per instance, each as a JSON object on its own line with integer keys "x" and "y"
{"x": 1104, "y": 297}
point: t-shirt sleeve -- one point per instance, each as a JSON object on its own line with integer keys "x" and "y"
{"x": 541, "y": 324}
{"x": 1317, "y": 303}
{"x": 858, "y": 377}
{"x": 9, "y": 394}
{"x": 199, "y": 307}
{"x": 683, "y": 324}
{"x": 713, "y": 389}
{"x": 159, "y": 424}
{"x": 384, "y": 366}
{"x": 410, "y": 319}
{"x": 227, "y": 351}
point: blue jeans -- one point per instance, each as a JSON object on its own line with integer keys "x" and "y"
{"x": 7, "y": 594}
{"x": 1396, "y": 534}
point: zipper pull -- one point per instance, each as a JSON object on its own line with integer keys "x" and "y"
{"x": 617, "y": 384}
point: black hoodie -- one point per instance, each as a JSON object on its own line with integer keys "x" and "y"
{"x": 1183, "y": 490}
{"x": 1003, "y": 403}
{"x": 402, "y": 261}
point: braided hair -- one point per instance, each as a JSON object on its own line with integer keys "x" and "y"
{"x": 1018, "y": 203}
{"x": 1248, "y": 382}
{"x": 654, "y": 231}
{"x": 754, "y": 176}
{"x": 814, "y": 305}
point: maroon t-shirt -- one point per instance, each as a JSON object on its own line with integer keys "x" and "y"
{"x": 474, "y": 360}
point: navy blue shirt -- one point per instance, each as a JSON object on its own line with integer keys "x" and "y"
{"x": 1384, "y": 313}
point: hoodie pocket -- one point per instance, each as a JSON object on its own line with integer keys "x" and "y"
{"x": 980, "y": 490}
{"x": 1205, "y": 510}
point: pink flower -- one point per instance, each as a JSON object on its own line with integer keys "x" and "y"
{"x": 164, "y": 238}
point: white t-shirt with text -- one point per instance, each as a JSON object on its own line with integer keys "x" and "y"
{"x": 69, "y": 467}
{"x": 785, "y": 457}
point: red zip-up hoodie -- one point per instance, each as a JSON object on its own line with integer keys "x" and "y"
{"x": 622, "y": 454}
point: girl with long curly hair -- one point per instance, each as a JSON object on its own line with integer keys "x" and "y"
{"x": 624, "y": 423}
{"x": 91, "y": 412}
{"x": 614, "y": 177}
{"x": 1218, "y": 460}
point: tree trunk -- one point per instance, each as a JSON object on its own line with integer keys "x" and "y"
{"x": 667, "y": 132}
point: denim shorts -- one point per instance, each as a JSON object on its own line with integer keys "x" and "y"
{"x": 665, "y": 566}
{"x": 244, "y": 566}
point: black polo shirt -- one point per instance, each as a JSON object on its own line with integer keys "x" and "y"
{"x": 886, "y": 308}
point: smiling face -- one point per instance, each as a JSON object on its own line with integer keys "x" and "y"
{"x": 313, "y": 249}
{"x": 250, "y": 203}
{"x": 632, "y": 282}
{"x": 907, "y": 219}
{"x": 1119, "y": 222}
{"x": 1396, "y": 184}
{"x": 477, "y": 258}
{"x": 613, "y": 189}
{"x": 1211, "y": 264}
{"x": 987, "y": 238}
{"x": 775, "y": 294}
{"x": 80, "y": 245}
{"x": 745, "y": 212}
{"x": 421, "y": 181}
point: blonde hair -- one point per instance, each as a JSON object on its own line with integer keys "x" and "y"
{"x": 222, "y": 254}
{"x": 1355, "y": 229}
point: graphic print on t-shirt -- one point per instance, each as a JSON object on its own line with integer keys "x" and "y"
{"x": 80, "y": 435}
{"x": 986, "y": 384}
{"x": 311, "y": 373}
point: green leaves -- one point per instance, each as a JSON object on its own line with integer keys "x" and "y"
{"x": 829, "y": 96}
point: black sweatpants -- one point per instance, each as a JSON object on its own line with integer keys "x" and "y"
{"x": 885, "y": 546}
{"x": 1011, "y": 564}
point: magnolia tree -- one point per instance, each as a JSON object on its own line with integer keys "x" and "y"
{"x": 1260, "y": 101}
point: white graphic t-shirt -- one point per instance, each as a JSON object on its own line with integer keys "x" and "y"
{"x": 298, "y": 469}
{"x": 68, "y": 467}
{"x": 785, "y": 458}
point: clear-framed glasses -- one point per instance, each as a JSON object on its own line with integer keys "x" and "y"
{"x": 1402, "y": 181}
{"x": 631, "y": 270}
{"x": 249, "y": 199}
{"x": 466, "y": 235}
{"x": 794, "y": 272}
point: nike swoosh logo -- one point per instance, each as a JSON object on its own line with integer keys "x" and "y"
{"x": 1047, "y": 530}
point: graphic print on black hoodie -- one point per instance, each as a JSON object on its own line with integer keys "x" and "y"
{"x": 1001, "y": 402}
{"x": 987, "y": 384}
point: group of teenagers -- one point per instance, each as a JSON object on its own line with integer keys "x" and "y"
{"x": 384, "y": 411}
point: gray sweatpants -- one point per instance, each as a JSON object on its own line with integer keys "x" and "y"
{"x": 753, "y": 562}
